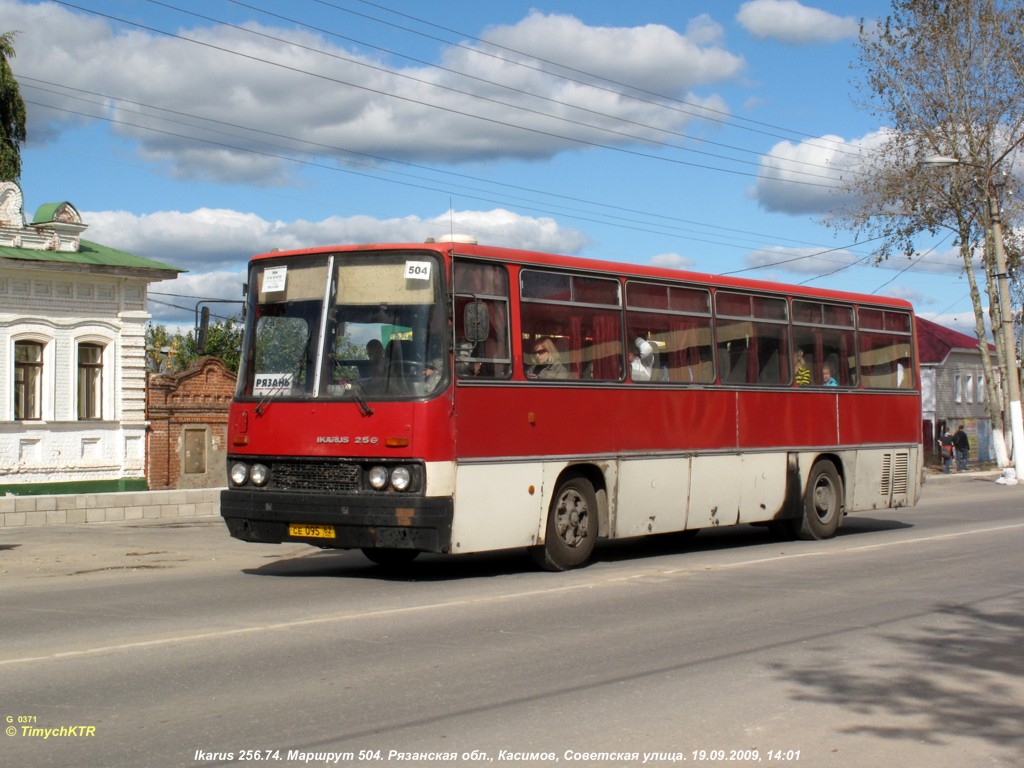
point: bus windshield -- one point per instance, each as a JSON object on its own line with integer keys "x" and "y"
{"x": 362, "y": 325}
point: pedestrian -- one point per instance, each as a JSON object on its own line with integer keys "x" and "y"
{"x": 962, "y": 444}
{"x": 946, "y": 449}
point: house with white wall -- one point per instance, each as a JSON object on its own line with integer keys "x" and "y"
{"x": 72, "y": 354}
{"x": 953, "y": 388}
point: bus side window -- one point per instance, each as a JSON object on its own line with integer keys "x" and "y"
{"x": 485, "y": 285}
{"x": 825, "y": 332}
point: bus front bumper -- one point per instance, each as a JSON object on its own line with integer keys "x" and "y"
{"x": 356, "y": 522}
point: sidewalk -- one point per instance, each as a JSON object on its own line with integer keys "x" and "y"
{"x": 932, "y": 475}
{"x": 197, "y": 503}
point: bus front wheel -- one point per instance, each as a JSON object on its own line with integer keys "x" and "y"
{"x": 823, "y": 503}
{"x": 571, "y": 529}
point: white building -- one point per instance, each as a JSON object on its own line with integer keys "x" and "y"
{"x": 72, "y": 355}
{"x": 952, "y": 389}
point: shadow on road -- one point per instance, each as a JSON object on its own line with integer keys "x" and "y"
{"x": 959, "y": 676}
{"x": 429, "y": 567}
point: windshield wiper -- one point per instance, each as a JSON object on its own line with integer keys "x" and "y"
{"x": 261, "y": 406}
{"x": 354, "y": 388}
{"x": 293, "y": 377}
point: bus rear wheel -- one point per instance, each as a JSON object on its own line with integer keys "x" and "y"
{"x": 571, "y": 531}
{"x": 823, "y": 503}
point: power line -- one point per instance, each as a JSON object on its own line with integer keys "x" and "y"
{"x": 704, "y": 110}
{"x": 459, "y": 112}
{"x": 334, "y": 148}
{"x": 914, "y": 263}
{"x": 450, "y": 110}
{"x": 347, "y": 171}
{"x": 623, "y": 222}
{"x": 520, "y": 91}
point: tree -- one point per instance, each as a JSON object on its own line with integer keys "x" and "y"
{"x": 12, "y": 113}
{"x": 159, "y": 349}
{"x": 168, "y": 352}
{"x": 948, "y": 78}
{"x": 223, "y": 340}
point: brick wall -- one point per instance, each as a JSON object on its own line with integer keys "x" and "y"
{"x": 188, "y": 419}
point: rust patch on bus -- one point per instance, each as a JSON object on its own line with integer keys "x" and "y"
{"x": 404, "y": 516}
{"x": 792, "y": 504}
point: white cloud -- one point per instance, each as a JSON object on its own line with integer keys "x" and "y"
{"x": 810, "y": 261}
{"x": 672, "y": 261}
{"x": 653, "y": 57}
{"x": 215, "y": 244}
{"x": 324, "y": 99}
{"x": 202, "y": 240}
{"x": 789, "y": 21}
{"x": 808, "y": 177}
{"x": 825, "y": 262}
{"x": 797, "y": 178}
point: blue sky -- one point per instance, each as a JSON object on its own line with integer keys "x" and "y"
{"x": 703, "y": 135}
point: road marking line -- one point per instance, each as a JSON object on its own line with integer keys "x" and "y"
{"x": 343, "y": 617}
{"x": 285, "y": 625}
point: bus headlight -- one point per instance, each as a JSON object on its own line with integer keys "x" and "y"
{"x": 239, "y": 473}
{"x": 401, "y": 478}
{"x": 378, "y": 478}
{"x": 259, "y": 474}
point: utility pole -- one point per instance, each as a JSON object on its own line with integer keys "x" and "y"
{"x": 994, "y": 229}
{"x": 1006, "y": 325}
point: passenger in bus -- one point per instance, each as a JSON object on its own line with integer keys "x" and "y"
{"x": 826, "y": 377}
{"x": 547, "y": 362}
{"x": 802, "y": 374}
{"x": 641, "y": 360}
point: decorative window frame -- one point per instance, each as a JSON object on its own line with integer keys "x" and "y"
{"x": 108, "y": 380}
{"x": 49, "y": 375}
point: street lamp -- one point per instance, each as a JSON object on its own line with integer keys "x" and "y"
{"x": 995, "y": 226}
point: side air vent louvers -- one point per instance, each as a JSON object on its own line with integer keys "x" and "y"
{"x": 886, "y": 486}
{"x": 901, "y": 474}
{"x": 895, "y": 480}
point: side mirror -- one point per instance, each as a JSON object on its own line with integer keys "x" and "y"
{"x": 476, "y": 321}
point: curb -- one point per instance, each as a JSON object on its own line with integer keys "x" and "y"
{"x": 990, "y": 475}
{"x": 85, "y": 508}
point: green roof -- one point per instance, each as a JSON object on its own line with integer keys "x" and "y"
{"x": 47, "y": 211}
{"x": 89, "y": 254}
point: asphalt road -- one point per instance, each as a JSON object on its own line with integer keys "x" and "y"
{"x": 899, "y": 643}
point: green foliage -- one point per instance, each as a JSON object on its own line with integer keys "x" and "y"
{"x": 168, "y": 352}
{"x": 283, "y": 346}
{"x": 12, "y": 113}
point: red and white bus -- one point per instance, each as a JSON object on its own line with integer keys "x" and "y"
{"x": 451, "y": 397}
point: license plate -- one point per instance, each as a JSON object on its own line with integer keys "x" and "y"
{"x": 306, "y": 531}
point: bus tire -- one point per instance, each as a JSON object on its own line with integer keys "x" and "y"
{"x": 823, "y": 503}
{"x": 571, "y": 531}
{"x": 391, "y": 558}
